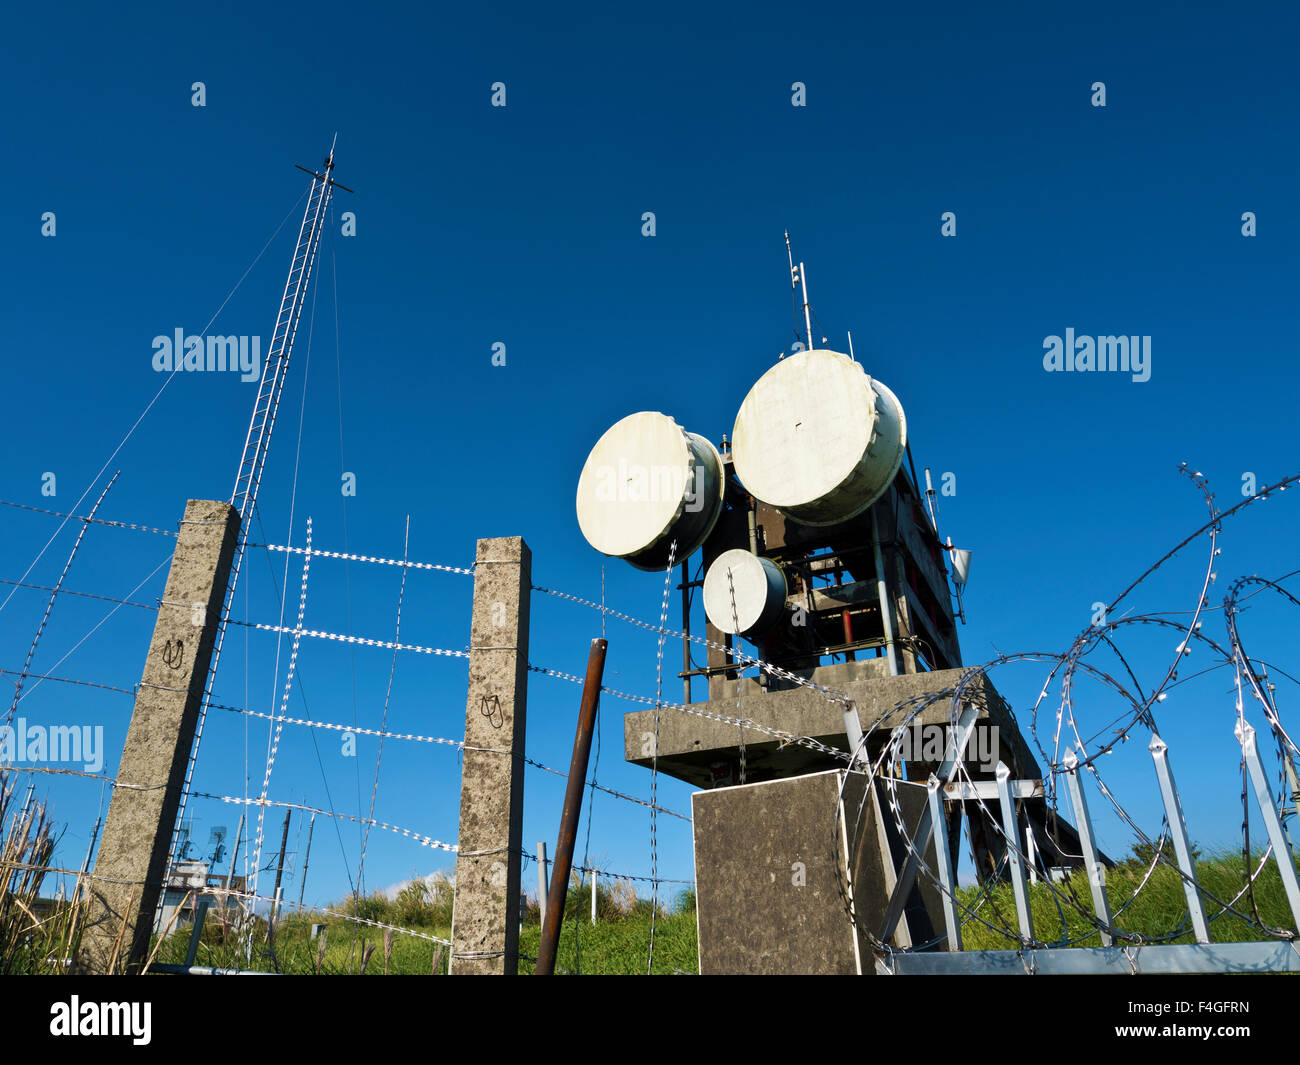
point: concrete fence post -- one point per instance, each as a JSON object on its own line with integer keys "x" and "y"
{"x": 132, "y": 863}
{"x": 485, "y": 914}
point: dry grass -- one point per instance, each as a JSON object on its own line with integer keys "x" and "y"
{"x": 32, "y": 942}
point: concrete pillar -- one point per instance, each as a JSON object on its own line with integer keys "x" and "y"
{"x": 485, "y": 917}
{"x": 138, "y": 831}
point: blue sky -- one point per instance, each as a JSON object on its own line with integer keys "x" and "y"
{"x": 522, "y": 225}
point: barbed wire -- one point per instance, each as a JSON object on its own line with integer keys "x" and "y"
{"x": 388, "y": 692}
{"x": 81, "y": 595}
{"x": 654, "y": 752}
{"x": 608, "y": 874}
{"x": 419, "y": 837}
{"x": 49, "y": 605}
{"x": 1085, "y": 751}
{"x": 344, "y": 638}
{"x": 69, "y": 680}
{"x": 348, "y": 557}
{"x": 89, "y": 519}
{"x": 112, "y": 782}
{"x": 786, "y": 738}
{"x": 459, "y": 744}
{"x": 336, "y": 727}
{"x": 274, "y": 740}
{"x": 608, "y": 791}
{"x": 745, "y": 660}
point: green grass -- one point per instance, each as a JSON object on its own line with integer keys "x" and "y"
{"x": 617, "y": 944}
{"x": 348, "y": 948}
{"x": 1159, "y": 909}
{"x": 620, "y": 947}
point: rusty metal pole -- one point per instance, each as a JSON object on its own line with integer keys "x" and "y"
{"x": 572, "y": 810}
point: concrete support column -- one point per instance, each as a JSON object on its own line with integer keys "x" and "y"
{"x": 485, "y": 918}
{"x": 137, "y": 834}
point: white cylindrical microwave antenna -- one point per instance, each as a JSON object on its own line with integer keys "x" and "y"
{"x": 743, "y": 593}
{"x": 818, "y": 439}
{"x": 646, "y": 483}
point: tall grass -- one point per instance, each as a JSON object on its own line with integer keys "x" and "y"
{"x": 1159, "y": 909}
{"x": 32, "y": 942}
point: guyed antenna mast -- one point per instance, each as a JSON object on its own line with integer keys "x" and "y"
{"x": 274, "y": 369}
{"x": 798, "y": 276}
{"x": 262, "y": 424}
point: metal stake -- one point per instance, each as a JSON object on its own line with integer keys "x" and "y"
{"x": 199, "y": 917}
{"x": 944, "y": 853}
{"x": 925, "y": 827}
{"x": 1013, "y": 853}
{"x": 1178, "y": 830}
{"x": 1096, "y": 874}
{"x": 1264, "y": 796}
{"x": 853, "y": 732}
{"x": 542, "y": 887}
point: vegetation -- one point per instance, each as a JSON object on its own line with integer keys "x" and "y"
{"x": 39, "y": 937}
{"x": 1160, "y": 907}
{"x": 35, "y": 936}
{"x": 617, "y": 943}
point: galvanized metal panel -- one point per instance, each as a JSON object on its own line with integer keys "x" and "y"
{"x": 1267, "y": 957}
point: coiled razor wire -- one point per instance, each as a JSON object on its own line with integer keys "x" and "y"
{"x": 1066, "y": 737}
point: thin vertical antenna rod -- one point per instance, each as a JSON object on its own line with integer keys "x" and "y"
{"x": 929, "y": 500}
{"x": 789, "y": 255}
{"x": 797, "y": 277}
{"x": 807, "y": 320}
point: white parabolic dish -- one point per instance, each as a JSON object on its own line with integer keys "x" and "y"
{"x": 743, "y": 593}
{"x": 646, "y": 483}
{"x": 818, "y": 439}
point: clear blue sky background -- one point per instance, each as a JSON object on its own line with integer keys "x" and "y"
{"x": 522, "y": 225}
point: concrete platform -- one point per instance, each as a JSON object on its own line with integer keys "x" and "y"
{"x": 693, "y": 748}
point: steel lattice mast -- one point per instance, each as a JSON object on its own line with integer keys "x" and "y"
{"x": 262, "y": 424}
{"x": 275, "y": 368}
